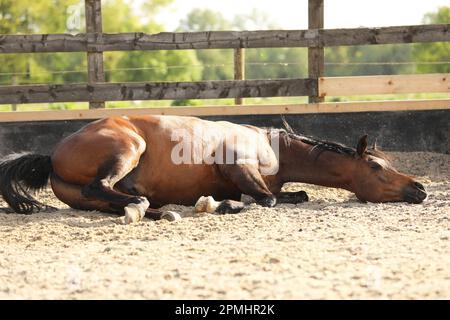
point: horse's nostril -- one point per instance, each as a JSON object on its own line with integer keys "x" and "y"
{"x": 415, "y": 193}
{"x": 419, "y": 186}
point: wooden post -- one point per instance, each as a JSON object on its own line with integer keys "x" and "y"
{"x": 96, "y": 73}
{"x": 239, "y": 69}
{"x": 14, "y": 82}
{"x": 316, "y": 59}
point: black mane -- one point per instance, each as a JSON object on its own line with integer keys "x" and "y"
{"x": 325, "y": 145}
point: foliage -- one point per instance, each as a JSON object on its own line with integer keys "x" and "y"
{"x": 437, "y": 51}
{"x": 368, "y": 60}
{"x": 260, "y": 63}
{"x": 26, "y": 16}
{"x": 217, "y": 63}
{"x": 52, "y": 16}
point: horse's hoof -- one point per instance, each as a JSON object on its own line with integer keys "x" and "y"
{"x": 200, "y": 205}
{"x": 206, "y": 204}
{"x": 50, "y": 209}
{"x": 268, "y": 202}
{"x": 302, "y": 196}
{"x": 229, "y": 206}
{"x": 299, "y": 197}
{"x": 171, "y": 216}
{"x": 211, "y": 205}
{"x": 133, "y": 213}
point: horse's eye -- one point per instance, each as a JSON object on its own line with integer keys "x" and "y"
{"x": 375, "y": 165}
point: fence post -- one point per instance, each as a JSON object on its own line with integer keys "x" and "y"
{"x": 94, "y": 59}
{"x": 239, "y": 69}
{"x": 14, "y": 82}
{"x": 316, "y": 59}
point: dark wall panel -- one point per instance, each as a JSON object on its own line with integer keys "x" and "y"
{"x": 395, "y": 131}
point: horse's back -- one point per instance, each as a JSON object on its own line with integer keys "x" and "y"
{"x": 167, "y": 174}
{"x": 163, "y": 173}
{"x": 76, "y": 159}
{"x": 180, "y": 161}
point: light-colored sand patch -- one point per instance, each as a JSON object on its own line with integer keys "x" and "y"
{"x": 331, "y": 247}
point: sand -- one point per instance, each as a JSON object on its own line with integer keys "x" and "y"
{"x": 331, "y": 247}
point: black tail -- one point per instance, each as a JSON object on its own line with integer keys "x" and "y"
{"x": 20, "y": 174}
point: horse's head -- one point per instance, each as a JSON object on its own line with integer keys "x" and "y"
{"x": 375, "y": 180}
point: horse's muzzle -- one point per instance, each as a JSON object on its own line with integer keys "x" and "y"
{"x": 414, "y": 193}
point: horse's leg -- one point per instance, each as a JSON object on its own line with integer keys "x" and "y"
{"x": 249, "y": 181}
{"x": 292, "y": 197}
{"x": 108, "y": 174}
{"x": 96, "y": 159}
{"x": 71, "y": 194}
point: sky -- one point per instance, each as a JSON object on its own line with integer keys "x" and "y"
{"x": 293, "y": 14}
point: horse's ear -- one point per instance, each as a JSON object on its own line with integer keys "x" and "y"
{"x": 375, "y": 145}
{"x": 286, "y": 125}
{"x": 362, "y": 145}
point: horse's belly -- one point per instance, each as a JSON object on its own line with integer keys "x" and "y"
{"x": 183, "y": 184}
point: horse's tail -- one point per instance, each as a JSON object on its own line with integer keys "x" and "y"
{"x": 21, "y": 174}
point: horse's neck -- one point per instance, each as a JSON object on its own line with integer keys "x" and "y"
{"x": 300, "y": 163}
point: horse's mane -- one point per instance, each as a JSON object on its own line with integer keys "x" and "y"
{"x": 322, "y": 145}
{"x": 325, "y": 145}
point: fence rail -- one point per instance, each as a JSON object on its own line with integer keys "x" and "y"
{"x": 155, "y": 91}
{"x": 332, "y": 107}
{"x": 327, "y": 86}
{"x": 393, "y": 84}
{"x": 94, "y": 42}
{"x": 99, "y": 42}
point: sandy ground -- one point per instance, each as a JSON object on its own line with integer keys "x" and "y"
{"x": 331, "y": 247}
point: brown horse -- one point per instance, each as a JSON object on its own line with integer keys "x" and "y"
{"x": 120, "y": 164}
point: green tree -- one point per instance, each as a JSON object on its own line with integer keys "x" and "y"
{"x": 276, "y": 63}
{"x": 12, "y": 21}
{"x": 217, "y": 64}
{"x": 28, "y": 16}
{"x": 260, "y": 63}
{"x": 436, "y": 51}
{"x": 144, "y": 65}
{"x": 204, "y": 20}
{"x": 255, "y": 20}
{"x": 368, "y": 60}
{"x": 270, "y": 63}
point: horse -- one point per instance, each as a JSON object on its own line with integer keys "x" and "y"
{"x": 135, "y": 165}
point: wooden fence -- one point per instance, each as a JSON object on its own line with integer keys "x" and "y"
{"x": 94, "y": 42}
